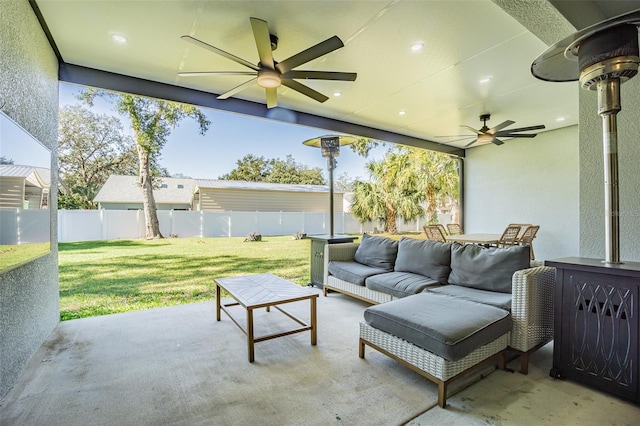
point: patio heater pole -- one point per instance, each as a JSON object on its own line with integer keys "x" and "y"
{"x": 607, "y": 55}
{"x": 331, "y": 165}
{"x": 330, "y": 146}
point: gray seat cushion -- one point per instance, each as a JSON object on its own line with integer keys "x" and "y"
{"x": 486, "y": 268}
{"x": 446, "y": 326}
{"x": 353, "y": 272}
{"x": 425, "y": 257}
{"x": 399, "y": 284}
{"x": 493, "y": 298}
{"x": 377, "y": 252}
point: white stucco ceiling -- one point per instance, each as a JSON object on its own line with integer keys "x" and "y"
{"x": 439, "y": 87}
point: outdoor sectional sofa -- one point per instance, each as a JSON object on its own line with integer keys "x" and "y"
{"x": 444, "y": 308}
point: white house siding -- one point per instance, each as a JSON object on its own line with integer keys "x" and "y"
{"x": 139, "y": 206}
{"x": 267, "y": 201}
{"x": 11, "y": 192}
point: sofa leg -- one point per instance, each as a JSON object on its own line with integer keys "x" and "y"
{"x": 442, "y": 394}
{"x": 524, "y": 363}
{"x": 502, "y": 363}
{"x": 361, "y": 348}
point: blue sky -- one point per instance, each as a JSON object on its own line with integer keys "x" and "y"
{"x": 231, "y": 137}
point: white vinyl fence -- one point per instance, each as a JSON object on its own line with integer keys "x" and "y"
{"x": 90, "y": 225}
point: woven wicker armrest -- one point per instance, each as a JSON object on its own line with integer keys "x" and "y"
{"x": 343, "y": 252}
{"x": 532, "y": 307}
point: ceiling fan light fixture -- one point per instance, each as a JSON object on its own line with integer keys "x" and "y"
{"x": 269, "y": 79}
{"x": 485, "y": 138}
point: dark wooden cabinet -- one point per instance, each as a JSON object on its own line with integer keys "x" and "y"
{"x": 597, "y": 321}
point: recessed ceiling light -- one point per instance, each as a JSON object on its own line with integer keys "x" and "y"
{"x": 418, "y": 45}
{"x": 485, "y": 80}
{"x": 402, "y": 112}
{"x": 119, "y": 38}
{"x": 336, "y": 94}
{"x": 560, "y": 119}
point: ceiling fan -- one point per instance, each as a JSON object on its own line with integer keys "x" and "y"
{"x": 487, "y": 135}
{"x": 269, "y": 73}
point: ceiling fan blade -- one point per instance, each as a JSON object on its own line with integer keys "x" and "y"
{"x": 524, "y": 129}
{"x": 320, "y": 49}
{"x": 497, "y": 141}
{"x": 501, "y": 126}
{"x": 305, "y": 90}
{"x": 219, "y": 52}
{"x": 272, "y": 97}
{"x": 238, "y": 88}
{"x": 517, "y": 135}
{"x": 471, "y": 129}
{"x": 205, "y": 73}
{"x": 321, "y": 75}
{"x": 456, "y": 140}
{"x": 263, "y": 42}
{"x": 471, "y": 143}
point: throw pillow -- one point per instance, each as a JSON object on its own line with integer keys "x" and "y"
{"x": 425, "y": 257}
{"x": 487, "y": 268}
{"x": 377, "y": 252}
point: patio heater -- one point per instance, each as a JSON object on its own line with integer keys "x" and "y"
{"x": 601, "y": 57}
{"x": 330, "y": 146}
{"x": 597, "y": 314}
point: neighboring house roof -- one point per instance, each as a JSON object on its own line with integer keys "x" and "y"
{"x": 125, "y": 189}
{"x": 259, "y": 186}
{"x": 37, "y": 176}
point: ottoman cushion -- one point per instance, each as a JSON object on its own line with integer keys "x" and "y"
{"x": 446, "y": 326}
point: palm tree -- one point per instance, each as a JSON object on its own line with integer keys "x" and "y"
{"x": 392, "y": 192}
{"x": 438, "y": 178}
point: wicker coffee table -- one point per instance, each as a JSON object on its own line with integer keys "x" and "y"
{"x": 264, "y": 291}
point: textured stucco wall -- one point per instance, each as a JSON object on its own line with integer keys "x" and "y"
{"x": 592, "y": 236}
{"x": 527, "y": 181}
{"x": 29, "y": 307}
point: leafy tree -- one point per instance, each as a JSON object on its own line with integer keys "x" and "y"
{"x": 259, "y": 169}
{"x": 5, "y": 160}
{"x": 393, "y": 192}
{"x": 152, "y": 121}
{"x": 363, "y": 146}
{"x": 90, "y": 148}
{"x": 344, "y": 182}
{"x": 289, "y": 171}
{"x": 250, "y": 168}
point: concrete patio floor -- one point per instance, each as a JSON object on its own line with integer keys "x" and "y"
{"x": 177, "y": 365}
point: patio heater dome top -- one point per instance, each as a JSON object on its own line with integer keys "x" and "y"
{"x": 564, "y": 61}
{"x": 342, "y": 139}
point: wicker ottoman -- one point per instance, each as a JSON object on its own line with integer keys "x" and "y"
{"x": 438, "y": 336}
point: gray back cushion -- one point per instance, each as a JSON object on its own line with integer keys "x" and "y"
{"x": 377, "y": 252}
{"x": 425, "y": 257}
{"x": 487, "y": 268}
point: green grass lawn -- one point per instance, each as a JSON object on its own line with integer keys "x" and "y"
{"x": 105, "y": 277}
